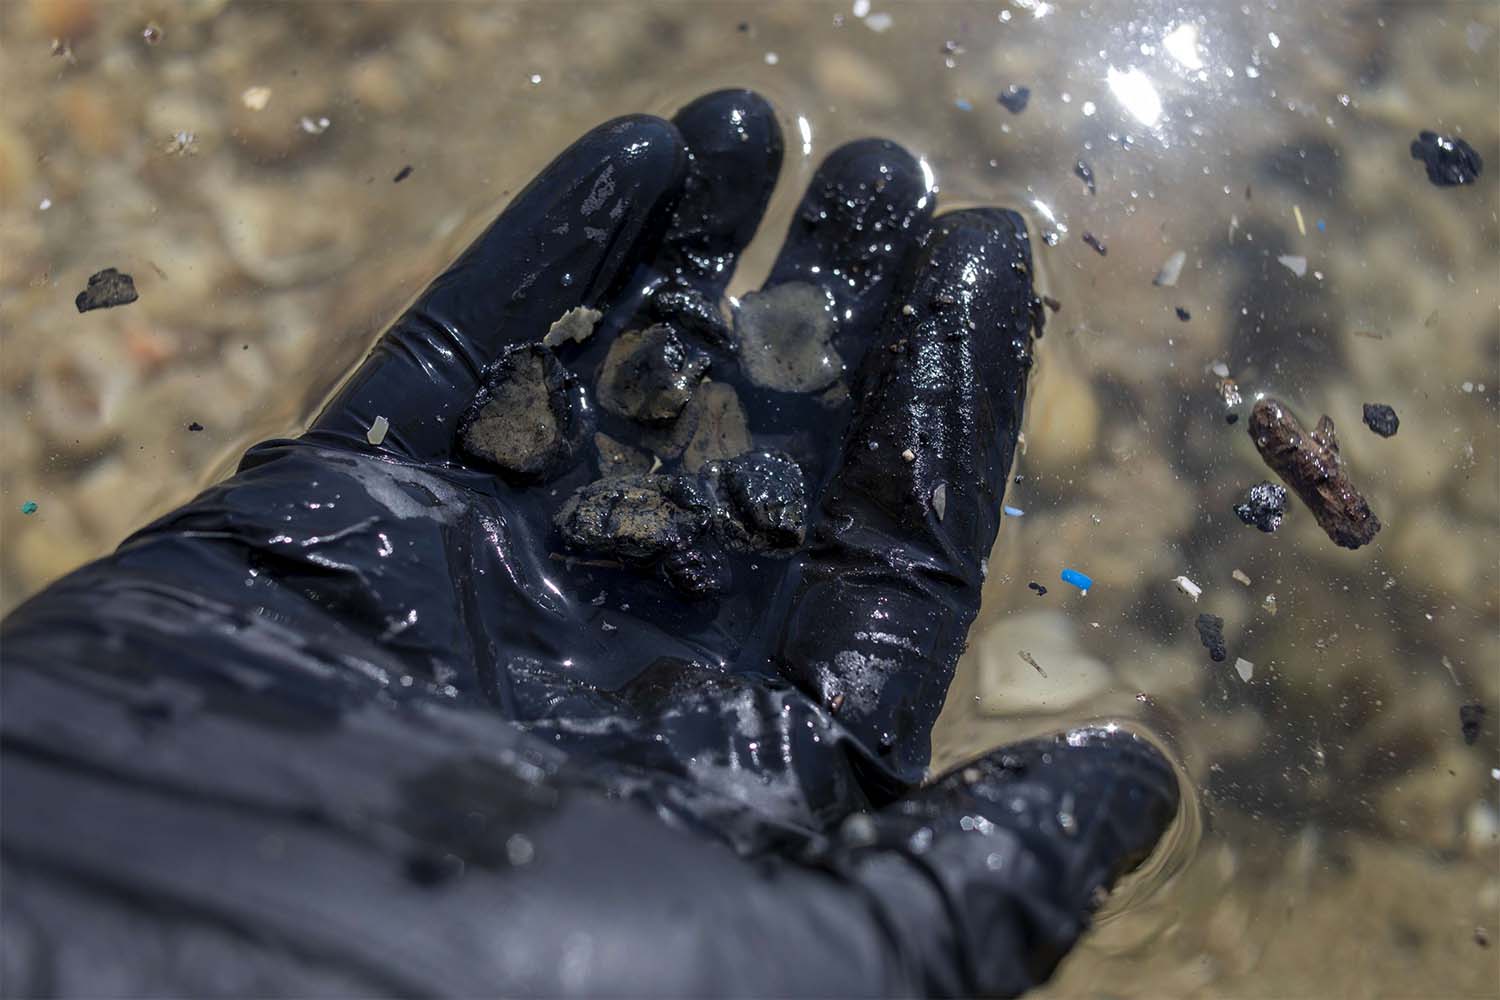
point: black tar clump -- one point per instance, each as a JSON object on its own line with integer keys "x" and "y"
{"x": 1211, "y": 634}
{"x": 1381, "y": 419}
{"x": 1449, "y": 161}
{"x": 1264, "y": 506}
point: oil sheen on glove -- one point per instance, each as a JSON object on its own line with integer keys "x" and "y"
{"x": 611, "y": 667}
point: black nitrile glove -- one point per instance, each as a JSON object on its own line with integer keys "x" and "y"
{"x": 444, "y": 715}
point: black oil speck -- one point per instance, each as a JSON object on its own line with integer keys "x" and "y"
{"x": 106, "y": 289}
{"x": 1264, "y": 506}
{"x": 1381, "y": 419}
{"x": 1183, "y": 314}
{"x": 1450, "y": 161}
{"x": 430, "y": 869}
{"x": 1014, "y": 98}
{"x": 1096, "y": 243}
{"x": 1051, "y": 303}
{"x": 402, "y": 174}
{"x": 1231, "y": 418}
{"x": 195, "y": 426}
{"x": 1211, "y": 634}
{"x": 1040, "y": 590}
{"x": 1085, "y": 173}
{"x": 1470, "y": 721}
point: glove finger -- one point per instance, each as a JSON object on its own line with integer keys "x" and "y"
{"x": 864, "y": 206}
{"x": 735, "y": 150}
{"x": 992, "y": 872}
{"x": 881, "y": 602}
{"x": 819, "y": 307}
{"x": 563, "y": 242}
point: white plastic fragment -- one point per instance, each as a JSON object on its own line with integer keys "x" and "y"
{"x": 576, "y": 324}
{"x": 1244, "y": 668}
{"x": 1240, "y": 577}
{"x": 314, "y": 126}
{"x": 940, "y": 500}
{"x": 1188, "y": 587}
{"x": 1171, "y": 270}
{"x": 879, "y": 22}
{"x": 376, "y": 434}
{"x": 1220, "y": 369}
{"x": 908, "y": 455}
{"x": 256, "y": 98}
{"x": 1294, "y": 263}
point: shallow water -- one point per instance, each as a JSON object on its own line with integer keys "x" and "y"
{"x": 1342, "y": 835}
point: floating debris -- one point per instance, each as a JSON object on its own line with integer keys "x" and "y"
{"x": 1183, "y": 314}
{"x": 1040, "y": 590}
{"x": 1031, "y": 660}
{"x": 1244, "y": 668}
{"x": 378, "y": 429}
{"x": 1381, "y": 419}
{"x": 1013, "y": 511}
{"x": 1297, "y": 214}
{"x": 314, "y": 126}
{"x": 256, "y": 98}
{"x": 1171, "y": 270}
{"x": 152, "y": 34}
{"x": 1094, "y": 242}
{"x": 1239, "y": 577}
{"x": 1471, "y": 721}
{"x": 1077, "y": 579}
{"x": 1264, "y": 506}
{"x": 182, "y": 143}
{"x": 1450, "y": 162}
{"x": 1268, "y": 604}
{"x": 1188, "y": 587}
{"x": 30, "y": 507}
{"x": 1211, "y": 634}
{"x": 1085, "y": 173}
{"x": 1295, "y": 263}
{"x": 577, "y": 325}
{"x": 1229, "y": 392}
{"x": 1014, "y": 98}
{"x": 1310, "y": 464}
{"x": 402, "y": 174}
{"x": 106, "y": 289}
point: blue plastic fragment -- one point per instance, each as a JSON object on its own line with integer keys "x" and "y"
{"x": 1077, "y": 579}
{"x": 1013, "y": 511}
{"x": 1322, "y": 225}
{"x": 963, "y": 105}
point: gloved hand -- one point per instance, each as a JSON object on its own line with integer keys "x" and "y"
{"x": 446, "y": 714}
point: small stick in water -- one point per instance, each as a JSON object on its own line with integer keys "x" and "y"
{"x": 1309, "y": 463}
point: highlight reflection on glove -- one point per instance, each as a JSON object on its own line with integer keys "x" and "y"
{"x": 611, "y": 667}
